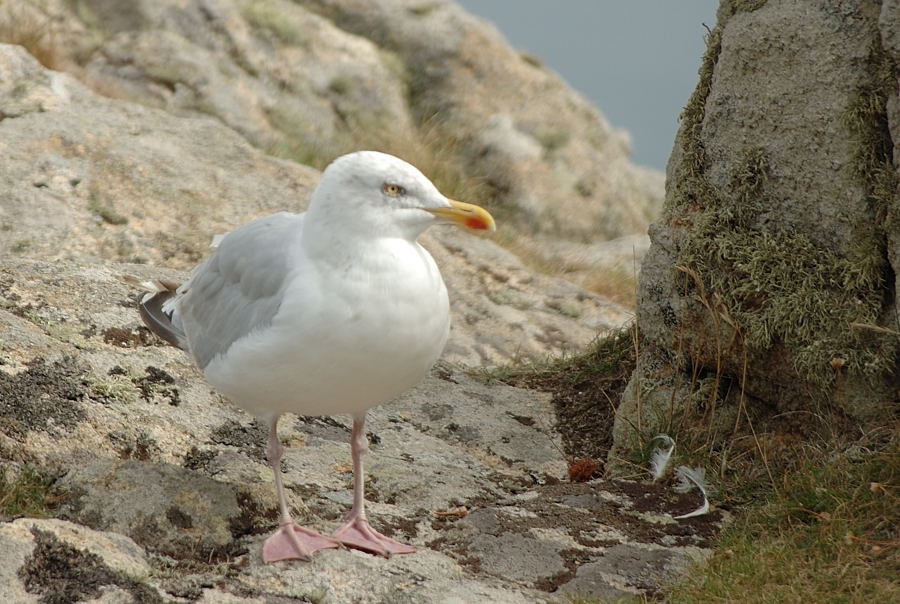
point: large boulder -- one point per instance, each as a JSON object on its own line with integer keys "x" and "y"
{"x": 770, "y": 285}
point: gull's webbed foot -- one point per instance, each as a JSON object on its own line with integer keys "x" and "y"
{"x": 359, "y": 534}
{"x": 294, "y": 542}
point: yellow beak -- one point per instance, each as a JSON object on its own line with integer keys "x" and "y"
{"x": 467, "y": 215}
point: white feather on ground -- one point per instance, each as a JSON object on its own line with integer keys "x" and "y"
{"x": 662, "y": 455}
{"x": 688, "y": 478}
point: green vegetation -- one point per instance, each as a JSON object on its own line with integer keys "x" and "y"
{"x": 826, "y": 532}
{"x": 114, "y": 388}
{"x": 340, "y": 85}
{"x": 817, "y": 518}
{"x": 552, "y": 139}
{"x": 107, "y": 213}
{"x": 21, "y": 245}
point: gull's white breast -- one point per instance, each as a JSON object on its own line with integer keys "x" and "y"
{"x": 348, "y": 335}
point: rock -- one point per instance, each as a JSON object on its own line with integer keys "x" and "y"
{"x": 91, "y": 178}
{"x": 354, "y": 577}
{"x": 165, "y": 508}
{"x": 61, "y": 561}
{"x": 312, "y": 80}
{"x": 558, "y": 164}
{"x": 770, "y": 274}
{"x": 890, "y": 40}
{"x": 518, "y": 557}
{"x": 151, "y": 136}
{"x": 149, "y": 455}
{"x": 627, "y": 568}
{"x": 100, "y": 180}
{"x": 504, "y": 311}
{"x": 271, "y": 70}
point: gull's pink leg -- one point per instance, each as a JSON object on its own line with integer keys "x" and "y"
{"x": 356, "y": 531}
{"x": 291, "y": 541}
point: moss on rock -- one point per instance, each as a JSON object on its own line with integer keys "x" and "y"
{"x": 777, "y": 285}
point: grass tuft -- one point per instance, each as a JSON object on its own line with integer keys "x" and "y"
{"x": 267, "y": 16}
{"x": 829, "y": 531}
{"x": 22, "y": 24}
{"x": 28, "y": 492}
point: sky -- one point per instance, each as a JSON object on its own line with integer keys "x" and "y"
{"x": 635, "y": 60}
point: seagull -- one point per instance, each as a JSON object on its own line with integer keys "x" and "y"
{"x": 331, "y": 311}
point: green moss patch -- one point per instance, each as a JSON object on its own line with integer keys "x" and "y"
{"x": 827, "y": 533}
{"x": 28, "y": 492}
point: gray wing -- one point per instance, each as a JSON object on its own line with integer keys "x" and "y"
{"x": 240, "y": 288}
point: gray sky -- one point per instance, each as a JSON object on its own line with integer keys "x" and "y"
{"x": 636, "y": 60}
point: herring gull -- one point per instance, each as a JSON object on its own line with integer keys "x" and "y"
{"x": 330, "y": 311}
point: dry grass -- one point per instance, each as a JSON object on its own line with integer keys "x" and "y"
{"x": 615, "y": 284}
{"x": 22, "y": 24}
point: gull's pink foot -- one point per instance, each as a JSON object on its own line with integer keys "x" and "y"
{"x": 359, "y": 534}
{"x": 294, "y": 542}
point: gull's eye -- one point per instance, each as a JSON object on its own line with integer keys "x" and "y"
{"x": 393, "y": 190}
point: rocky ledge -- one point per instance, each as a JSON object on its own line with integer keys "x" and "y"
{"x": 161, "y": 491}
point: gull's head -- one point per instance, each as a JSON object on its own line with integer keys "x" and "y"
{"x": 382, "y": 195}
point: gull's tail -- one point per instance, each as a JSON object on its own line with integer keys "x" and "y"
{"x": 157, "y": 309}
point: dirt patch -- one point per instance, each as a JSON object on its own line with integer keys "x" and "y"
{"x": 586, "y": 390}
{"x": 129, "y": 337}
{"x": 44, "y": 397}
